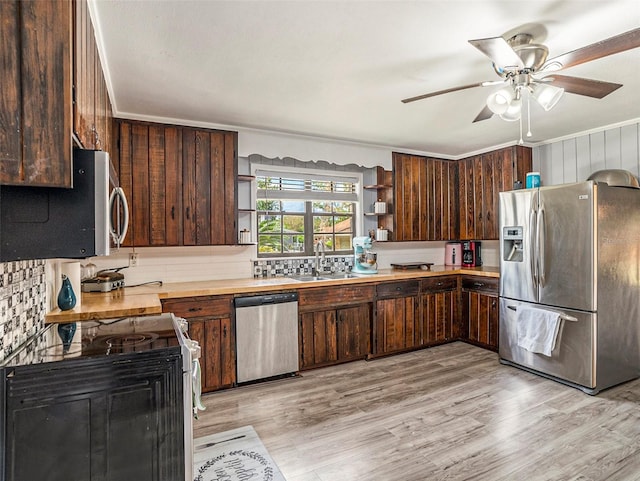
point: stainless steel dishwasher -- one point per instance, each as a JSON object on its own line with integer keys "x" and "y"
{"x": 266, "y": 336}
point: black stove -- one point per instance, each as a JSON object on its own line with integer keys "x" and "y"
{"x": 118, "y": 392}
{"x": 58, "y": 342}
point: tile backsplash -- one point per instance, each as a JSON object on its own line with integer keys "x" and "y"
{"x": 23, "y": 302}
{"x": 299, "y": 266}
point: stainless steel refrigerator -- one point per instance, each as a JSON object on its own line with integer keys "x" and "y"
{"x": 573, "y": 249}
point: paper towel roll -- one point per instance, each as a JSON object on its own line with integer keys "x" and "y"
{"x": 73, "y": 271}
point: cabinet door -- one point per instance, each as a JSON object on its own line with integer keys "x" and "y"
{"x": 439, "y": 317}
{"x": 150, "y": 171}
{"x": 482, "y": 312}
{"x": 84, "y": 75}
{"x": 396, "y": 325}
{"x": 480, "y": 179}
{"x": 354, "y": 332}
{"x": 209, "y": 193}
{"x": 318, "y": 338}
{"x": 442, "y": 200}
{"x": 215, "y": 337}
{"x": 410, "y": 203}
{"x": 36, "y": 111}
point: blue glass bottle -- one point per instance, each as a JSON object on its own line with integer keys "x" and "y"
{"x": 66, "y": 296}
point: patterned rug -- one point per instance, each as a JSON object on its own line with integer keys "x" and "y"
{"x": 236, "y": 455}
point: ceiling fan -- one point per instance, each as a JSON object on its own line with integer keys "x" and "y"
{"x": 526, "y": 73}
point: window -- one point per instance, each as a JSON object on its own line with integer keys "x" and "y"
{"x": 294, "y": 211}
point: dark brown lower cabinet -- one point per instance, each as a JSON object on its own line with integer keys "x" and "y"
{"x": 334, "y": 336}
{"x": 211, "y": 324}
{"x": 480, "y": 309}
{"x": 439, "y": 303}
{"x": 339, "y": 334}
{"x": 397, "y": 319}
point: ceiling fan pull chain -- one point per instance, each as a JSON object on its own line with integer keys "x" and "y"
{"x": 528, "y": 115}
{"x": 520, "y": 142}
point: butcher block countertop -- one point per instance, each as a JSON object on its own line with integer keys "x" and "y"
{"x": 146, "y": 300}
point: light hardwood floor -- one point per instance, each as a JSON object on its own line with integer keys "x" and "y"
{"x": 447, "y": 413}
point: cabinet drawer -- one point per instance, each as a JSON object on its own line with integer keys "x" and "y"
{"x": 484, "y": 284}
{"x": 201, "y": 306}
{"x": 397, "y": 289}
{"x": 329, "y": 297}
{"x": 445, "y": 283}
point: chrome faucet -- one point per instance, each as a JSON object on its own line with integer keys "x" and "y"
{"x": 318, "y": 250}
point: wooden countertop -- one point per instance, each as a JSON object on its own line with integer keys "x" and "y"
{"x": 146, "y": 300}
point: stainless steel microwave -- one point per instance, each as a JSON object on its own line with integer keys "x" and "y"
{"x": 45, "y": 223}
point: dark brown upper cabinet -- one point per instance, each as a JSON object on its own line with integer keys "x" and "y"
{"x": 425, "y": 204}
{"x": 36, "y": 106}
{"x": 481, "y": 179}
{"x": 180, "y": 183}
{"x": 92, "y": 109}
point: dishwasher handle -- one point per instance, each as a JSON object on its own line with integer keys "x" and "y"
{"x": 265, "y": 299}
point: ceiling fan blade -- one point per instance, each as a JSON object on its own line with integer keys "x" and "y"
{"x": 609, "y": 46}
{"x": 583, "y": 86}
{"x": 484, "y": 114}
{"x": 499, "y": 51}
{"x": 440, "y": 92}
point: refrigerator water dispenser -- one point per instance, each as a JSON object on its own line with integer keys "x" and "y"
{"x": 512, "y": 243}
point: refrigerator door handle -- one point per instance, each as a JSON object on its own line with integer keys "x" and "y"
{"x": 542, "y": 233}
{"x": 562, "y": 316}
{"x": 533, "y": 242}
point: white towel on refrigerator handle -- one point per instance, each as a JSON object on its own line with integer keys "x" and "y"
{"x": 537, "y": 329}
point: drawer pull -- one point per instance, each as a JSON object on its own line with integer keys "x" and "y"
{"x": 440, "y": 284}
{"x": 478, "y": 284}
{"x": 195, "y": 309}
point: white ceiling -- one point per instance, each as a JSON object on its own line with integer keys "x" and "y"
{"x": 339, "y": 69}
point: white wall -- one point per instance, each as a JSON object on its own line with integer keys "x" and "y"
{"x": 574, "y": 159}
{"x": 273, "y": 144}
{"x": 182, "y": 264}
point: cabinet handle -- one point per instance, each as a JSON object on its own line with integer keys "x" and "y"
{"x": 478, "y": 284}
{"x": 439, "y": 284}
{"x": 224, "y": 332}
{"x": 195, "y": 309}
{"x": 173, "y": 212}
{"x": 493, "y": 303}
{"x": 398, "y": 289}
{"x": 187, "y": 213}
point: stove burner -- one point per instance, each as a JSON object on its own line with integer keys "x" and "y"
{"x": 131, "y": 340}
{"x": 125, "y": 342}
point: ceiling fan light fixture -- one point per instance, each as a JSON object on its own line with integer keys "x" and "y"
{"x": 500, "y": 100}
{"x": 513, "y": 112}
{"x": 547, "y": 95}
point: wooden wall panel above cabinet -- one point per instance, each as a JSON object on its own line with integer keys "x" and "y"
{"x": 181, "y": 183}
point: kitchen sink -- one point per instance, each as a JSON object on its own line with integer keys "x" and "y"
{"x": 324, "y": 277}
{"x": 342, "y": 275}
{"x": 309, "y": 278}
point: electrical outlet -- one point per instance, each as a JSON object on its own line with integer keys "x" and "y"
{"x": 133, "y": 259}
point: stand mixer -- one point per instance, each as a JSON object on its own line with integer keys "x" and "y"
{"x": 364, "y": 261}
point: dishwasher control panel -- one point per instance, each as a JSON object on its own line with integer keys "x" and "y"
{"x": 266, "y": 299}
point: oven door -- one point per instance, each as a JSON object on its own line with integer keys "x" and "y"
{"x": 192, "y": 389}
